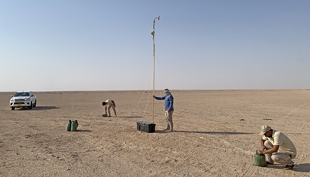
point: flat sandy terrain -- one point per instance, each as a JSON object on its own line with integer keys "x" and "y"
{"x": 216, "y": 134}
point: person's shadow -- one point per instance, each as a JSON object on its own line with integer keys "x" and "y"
{"x": 305, "y": 167}
{"x": 227, "y": 133}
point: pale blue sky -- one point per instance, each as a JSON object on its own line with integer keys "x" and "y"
{"x": 57, "y": 45}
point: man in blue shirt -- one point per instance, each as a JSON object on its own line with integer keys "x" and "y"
{"x": 168, "y": 108}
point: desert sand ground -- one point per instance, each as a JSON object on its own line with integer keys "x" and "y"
{"x": 216, "y": 134}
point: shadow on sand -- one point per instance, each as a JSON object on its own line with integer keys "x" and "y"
{"x": 298, "y": 167}
{"x": 39, "y": 108}
{"x": 223, "y": 133}
{"x": 161, "y": 131}
{"x": 82, "y": 131}
{"x": 305, "y": 167}
{"x": 130, "y": 116}
{"x": 45, "y": 107}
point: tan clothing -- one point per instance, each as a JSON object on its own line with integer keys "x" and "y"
{"x": 283, "y": 158}
{"x": 109, "y": 102}
{"x": 169, "y": 120}
{"x": 285, "y": 144}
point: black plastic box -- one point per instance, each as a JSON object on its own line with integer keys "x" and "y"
{"x": 146, "y": 127}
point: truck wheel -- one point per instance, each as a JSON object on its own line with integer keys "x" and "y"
{"x": 30, "y": 107}
{"x": 35, "y": 104}
{"x": 12, "y": 108}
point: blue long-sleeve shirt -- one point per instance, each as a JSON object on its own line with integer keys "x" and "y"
{"x": 168, "y": 102}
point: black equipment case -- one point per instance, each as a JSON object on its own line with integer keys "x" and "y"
{"x": 146, "y": 127}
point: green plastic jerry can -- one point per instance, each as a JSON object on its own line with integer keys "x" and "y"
{"x": 74, "y": 125}
{"x": 69, "y": 126}
{"x": 259, "y": 160}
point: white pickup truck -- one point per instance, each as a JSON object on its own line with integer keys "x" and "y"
{"x": 23, "y": 99}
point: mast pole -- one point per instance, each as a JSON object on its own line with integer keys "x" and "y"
{"x": 153, "y": 33}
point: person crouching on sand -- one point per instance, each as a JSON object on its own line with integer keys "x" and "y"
{"x": 108, "y": 104}
{"x": 168, "y": 108}
{"x": 277, "y": 147}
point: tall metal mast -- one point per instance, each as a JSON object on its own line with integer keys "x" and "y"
{"x": 153, "y": 33}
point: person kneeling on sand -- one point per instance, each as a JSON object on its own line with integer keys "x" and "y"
{"x": 277, "y": 147}
{"x": 108, "y": 104}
